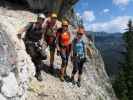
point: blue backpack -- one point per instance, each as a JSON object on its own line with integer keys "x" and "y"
{"x": 79, "y": 48}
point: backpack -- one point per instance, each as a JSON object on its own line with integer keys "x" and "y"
{"x": 79, "y": 48}
{"x": 28, "y": 31}
{"x": 50, "y": 29}
{"x": 32, "y": 33}
{"x": 50, "y": 35}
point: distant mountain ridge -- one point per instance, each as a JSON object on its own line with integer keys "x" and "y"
{"x": 110, "y": 45}
{"x": 102, "y": 33}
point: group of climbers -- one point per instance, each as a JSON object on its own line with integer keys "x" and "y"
{"x": 57, "y": 37}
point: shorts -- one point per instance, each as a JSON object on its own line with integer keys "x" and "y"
{"x": 78, "y": 66}
{"x": 52, "y": 48}
{"x": 64, "y": 57}
{"x": 51, "y": 42}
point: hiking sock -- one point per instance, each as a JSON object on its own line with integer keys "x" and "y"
{"x": 62, "y": 74}
{"x": 62, "y": 78}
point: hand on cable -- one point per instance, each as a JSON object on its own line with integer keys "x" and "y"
{"x": 72, "y": 58}
{"x": 58, "y": 50}
{"x": 85, "y": 59}
{"x": 41, "y": 42}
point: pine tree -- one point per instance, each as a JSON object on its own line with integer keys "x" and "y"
{"x": 123, "y": 84}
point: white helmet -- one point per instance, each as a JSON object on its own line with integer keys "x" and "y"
{"x": 41, "y": 16}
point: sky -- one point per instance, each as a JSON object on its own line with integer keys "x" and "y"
{"x": 105, "y": 15}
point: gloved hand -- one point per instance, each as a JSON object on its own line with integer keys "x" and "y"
{"x": 72, "y": 58}
{"x": 58, "y": 52}
{"x": 85, "y": 59}
{"x": 19, "y": 35}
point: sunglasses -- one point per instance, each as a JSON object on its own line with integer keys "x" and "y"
{"x": 65, "y": 25}
{"x": 79, "y": 34}
{"x": 54, "y": 17}
{"x": 40, "y": 18}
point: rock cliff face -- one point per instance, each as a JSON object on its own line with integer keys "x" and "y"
{"x": 17, "y": 80}
{"x": 16, "y": 67}
{"x": 61, "y": 7}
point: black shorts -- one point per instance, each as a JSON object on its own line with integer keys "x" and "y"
{"x": 64, "y": 57}
{"x": 51, "y": 42}
{"x": 78, "y": 66}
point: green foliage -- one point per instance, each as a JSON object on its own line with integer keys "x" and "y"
{"x": 123, "y": 84}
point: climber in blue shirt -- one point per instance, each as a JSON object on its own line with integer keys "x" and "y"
{"x": 78, "y": 55}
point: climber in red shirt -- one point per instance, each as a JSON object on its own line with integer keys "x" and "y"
{"x": 50, "y": 25}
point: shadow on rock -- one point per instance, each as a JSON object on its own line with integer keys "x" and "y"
{"x": 54, "y": 72}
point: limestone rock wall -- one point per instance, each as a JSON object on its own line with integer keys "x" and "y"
{"x": 64, "y": 8}
{"x": 16, "y": 67}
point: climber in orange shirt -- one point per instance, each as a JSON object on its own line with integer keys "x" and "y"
{"x": 63, "y": 47}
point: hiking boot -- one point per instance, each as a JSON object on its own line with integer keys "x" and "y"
{"x": 66, "y": 77}
{"x": 51, "y": 69}
{"x": 78, "y": 84}
{"x": 53, "y": 72}
{"x": 38, "y": 77}
{"x": 72, "y": 80}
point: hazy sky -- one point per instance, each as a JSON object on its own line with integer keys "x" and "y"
{"x": 105, "y": 15}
